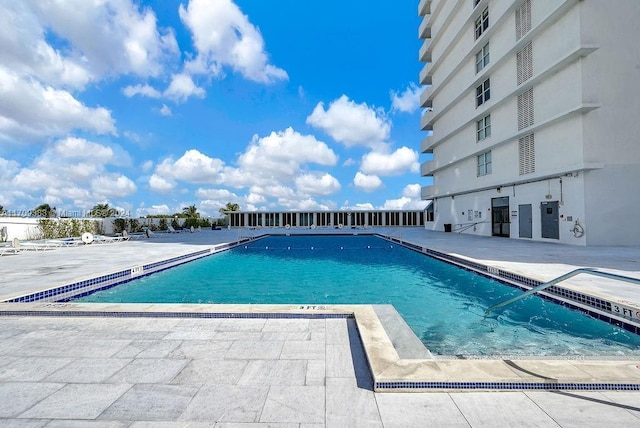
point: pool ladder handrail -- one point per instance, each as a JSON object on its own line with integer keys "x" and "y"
{"x": 554, "y": 281}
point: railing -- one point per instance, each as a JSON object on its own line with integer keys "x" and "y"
{"x": 465, "y": 226}
{"x": 559, "y": 279}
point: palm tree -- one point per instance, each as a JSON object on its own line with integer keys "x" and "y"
{"x": 102, "y": 210}
{"x": 44, "y": 210}
{"x": 229, "y": 207}
{"x": 191, "y": 211}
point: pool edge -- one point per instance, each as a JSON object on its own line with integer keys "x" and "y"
{"x": 390, "y": 373}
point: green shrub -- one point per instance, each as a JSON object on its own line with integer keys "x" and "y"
{"x": 119, "y": 225}
{"x": 66, "y": 228}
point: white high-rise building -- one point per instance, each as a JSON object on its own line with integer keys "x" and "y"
{"x": 533, "y": 110}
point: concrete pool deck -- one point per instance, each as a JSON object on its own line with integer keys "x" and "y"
{"x": 268, "y": 372}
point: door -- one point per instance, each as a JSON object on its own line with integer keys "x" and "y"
{"x": 550, "y": 220}
{"x": 524, "y": 221}
{"x": 500, "y": 223}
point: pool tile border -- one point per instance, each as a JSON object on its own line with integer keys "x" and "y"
{"x": 558, "y": 295}
{"x": 503, "y": 386}
{"x": 89, "y": 286}
{"x": 390, "y": 373}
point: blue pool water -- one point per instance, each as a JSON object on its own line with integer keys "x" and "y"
{"x": 443, "y": 304}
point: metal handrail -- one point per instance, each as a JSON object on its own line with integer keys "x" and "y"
{"x": 559, "y": 279}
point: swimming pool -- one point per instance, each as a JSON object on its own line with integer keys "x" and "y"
{"x": 443, "y": 304}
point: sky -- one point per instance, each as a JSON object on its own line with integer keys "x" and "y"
{"x": 155, "y": 105}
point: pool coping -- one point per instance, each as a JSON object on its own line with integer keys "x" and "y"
{"x": 390, "y": 372}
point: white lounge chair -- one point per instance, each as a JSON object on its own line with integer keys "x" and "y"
{"x": 10, "y": 248}
{"x": 101, "y": 239}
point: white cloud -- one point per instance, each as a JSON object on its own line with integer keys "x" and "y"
{"x": 408, "y": 101}
{"x": 214, "y": 199}
{"x": 153, "y": 210}
{"x": 254, "y": 198}
{"x": 412, "y": 191}
{"x": 219, "y": 194}
{"x": 280, "y": 154}
{"x": 275, "y": 191}
{"x": 192, "y": 167}
{"x": 144, "y": 90}
{"x": 23, "y": 48}
{"x": 182, "y": 87}
{"x": 165, "y": 111}
{"x": 367, "y": 183}
{"x": 160, "y": 185}
{"x": 404, "y": 203}
{"x": 108, "y": 37}
{"x": 352, "y": 124}
{"x": 399, "y": 162}
{"x": 74, "y": 171}
{"x": 367, "y": 206}
{"x": 307, "y": 204}
{"x": 224, "y": 37}
{"x": 8, "y": 168}
{"x": 113, "y": 185}
{"x": 79, "y": 148}
{"x": 34, "y": 179}
{"x": 410, "y": 200}
{"x": 29, "y": 109}
{"x": 271, "y": 167}
{"x": 317, "y": 184}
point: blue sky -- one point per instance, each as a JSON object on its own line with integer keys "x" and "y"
{"x": 154, "y": 105}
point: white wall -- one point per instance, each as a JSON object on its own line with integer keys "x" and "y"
{"x": 21, "y": 228}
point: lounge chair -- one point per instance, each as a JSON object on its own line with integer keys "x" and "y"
{"x": 102, "y": 239}
{"x": 10, "y": 248}
{"x": 171, "y": 229}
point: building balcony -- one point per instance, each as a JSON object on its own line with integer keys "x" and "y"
{"x": 424, "y": 30}
{"x": 424, "y": 98}
{"x": 425, "y": 51}
{"x": 424, "y": 121}
{"x": 424, "y": 7}
{"x": 426, "y": 192}
{"x": 425, "y": 78}
{"x": 426, "y": 146}
{"x": 426, "y": 168}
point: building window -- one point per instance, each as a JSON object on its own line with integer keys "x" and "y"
{"x": 484, "y": 164}
{"x": 483, "y": 128}
{"x": 482, "y": 22}
{"x": 483, "y": 93}
{"x": 482, "y": 58}
{"x": 475, "y": 2}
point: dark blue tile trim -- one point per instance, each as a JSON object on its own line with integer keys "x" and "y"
{"x": 89, "y": 286}
{"x": 515, "y": 280}
{"x": 517, "y": 386}
{"x": 121, "y": 314}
